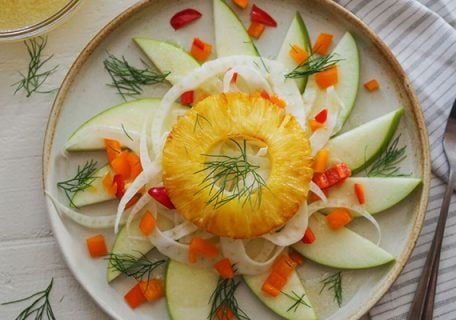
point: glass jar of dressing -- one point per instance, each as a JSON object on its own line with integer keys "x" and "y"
{"x": 20, "y": 19}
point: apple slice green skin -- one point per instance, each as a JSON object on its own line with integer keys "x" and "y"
{"x": 381, "y": 193}
{"x": 127, "y": 117}
{"x": 342, "y": 248}
{"x": 297, "y": 35}
{"x": 96, "y": 193}
{"x": 231, "y": 37}
{"x": 281, "y": 304}
{"x": 168, "y": 57}
{"x": 348, "y": 70}
{"x": 188, "y": 291}
{"x": 127, "y": 242}
{"x": 359, "y": 147}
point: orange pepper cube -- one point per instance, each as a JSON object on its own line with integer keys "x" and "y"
{"x": 135, "y": 296}
{"x": 147, "y": 223}
{"x": 298, "y": 54}
{"x": 339, "y": 218}
{"x": 284, "y": 266}
{"x": 97, "y": 246}
{"x": 200, "y": 50}
{"x": 322, "y": 44}
{"x": 270, "y": 289}
{"x": 152, "y": 289}
{"x": 256, "y": 29}
{"x": 327, "y": 78}
{"x": 372, "y": 85}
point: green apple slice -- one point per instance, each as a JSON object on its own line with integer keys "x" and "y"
{"x": 342, "y": 248}
{"x": 131, "y": 242}
{"x": 231, "y": 37}
{"x": 127, "y": 117}
{"x": 381, "y": 192}
{"x": 297, "y": 35}
{"x": 348, "y": 73}
{"x": 168, "y": 57}
{"x": 188, "y": 291}
{"x": 282, "y": 303}
{"x": 347, "y": 86}
{"x": 359, "y": 147}
{"x": 96, "y": 193}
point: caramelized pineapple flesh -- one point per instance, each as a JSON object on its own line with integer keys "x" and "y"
{"x": 237, "y": 165}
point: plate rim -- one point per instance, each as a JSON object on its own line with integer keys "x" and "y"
{"x": 385, "y": 52}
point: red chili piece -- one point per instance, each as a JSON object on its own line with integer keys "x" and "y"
{"x": 261, "y": 16}
{"x": 120, "y": 184}
{"x": 161, "y": 195}
{"x": 332, "y": 176}
{"x": 184, "y": 17}
{"x": 187, "y": 97}
{"x": 309, "y": 236}
{"x": 322, "y": 116}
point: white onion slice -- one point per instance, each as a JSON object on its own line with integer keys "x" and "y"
{"x": 234, "y": 249}
{"x": 293, "y": 231}
{"x": 321, "y": 136}
{"x": 173, "y": 249}
{"x": 253, "y": 78}
{"x": 356, "y": 208}
{"x": 144, "y": 156}
{"x": 93, "y": 222}
{"x": 181, "y": 230}
{"x": 142, "y": 179}
{"x": 317, "y": 190}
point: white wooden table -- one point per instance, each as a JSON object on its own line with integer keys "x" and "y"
{"x": 29, "y": 255}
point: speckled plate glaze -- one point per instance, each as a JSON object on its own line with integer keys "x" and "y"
{"x": 84, "y": 93}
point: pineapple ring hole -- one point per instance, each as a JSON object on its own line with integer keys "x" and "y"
{"x": 240, "y": 163}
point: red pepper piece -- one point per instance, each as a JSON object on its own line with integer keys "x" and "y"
{"x": 187, "y": 97}
{"x": 161, "y": 195}
{"x": 261, "y": 16}
{"x": 120, "y": 184}
{"x": 322, "y": 116}
{"x": 184, "y": 17}
{"x": 332, "y": 176}
{"x": 309, "y": 236}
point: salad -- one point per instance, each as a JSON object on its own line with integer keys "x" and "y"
{"x": 239, "y": 172}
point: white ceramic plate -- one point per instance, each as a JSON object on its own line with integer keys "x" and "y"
{"x": 84, "y": 93}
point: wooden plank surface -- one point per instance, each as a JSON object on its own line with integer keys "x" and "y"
{"x": 29, "y": 255}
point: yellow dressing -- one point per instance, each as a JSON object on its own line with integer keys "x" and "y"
{"x": 18, "y": 14}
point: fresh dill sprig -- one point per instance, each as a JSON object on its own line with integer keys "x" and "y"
{"x": 128, "y": 79}
{"x": 311, "y": 65}
{"x": 126, "y": 132}
{"x": 298, "y": 300}
{"x": 133, "y": 266}
{"x": 40, "y": 307}
{"x": 198, "y": 121}
{"x": 334, "y": 283}
{"x": 387, "y": 164}
{"x": 228, "y": 178}
{"x": 223, "y": 302}
{"x": 35, "y": 77}
{"x": 81, "y": 181}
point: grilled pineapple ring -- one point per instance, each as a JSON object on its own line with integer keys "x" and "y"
{"x": 228, "y": 116}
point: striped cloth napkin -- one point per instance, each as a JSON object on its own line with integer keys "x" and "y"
{"x": 422, "y": 35}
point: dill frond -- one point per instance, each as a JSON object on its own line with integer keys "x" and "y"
{"x": 35, "y": 77}
{"x": 334, "y": 283}
{"x": 128, "y": 79}
{"x": 313, "y": 64}
{"x": 298, "y": 300}
{"x": 133, "y": 266}
{"x": 81, "y": 181}
{"x": 228, "y": 177}
{"x": 388, "y": 163}
{"x": 40, "y": 306}
{"x": 224, "y": 303}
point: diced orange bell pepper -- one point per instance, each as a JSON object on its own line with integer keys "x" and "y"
{"x": 339, "y": 218}
{"x": 327, "y": 78}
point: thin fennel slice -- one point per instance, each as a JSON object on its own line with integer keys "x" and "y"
{"x": 293, "y": 230}
{"x": 321, "y": 136}
{"x": 234, "y": 250}
{"x": 92, "y": 222}
{"x": 313, "y": 187}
